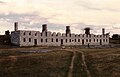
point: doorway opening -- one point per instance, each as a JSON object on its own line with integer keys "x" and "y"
{"x": 100, "y": 42}
{"x": 35, "y": 42}
{"x": 61, "y": 42}
{"x": 82, "y": 41}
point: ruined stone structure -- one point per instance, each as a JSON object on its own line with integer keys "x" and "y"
{"x": 47, "y": 38}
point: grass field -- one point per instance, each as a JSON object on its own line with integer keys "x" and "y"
{"x": 79, "y": 70}
{"x": 100, "y": 62}
{"x": 50, "y": 64}
{"x": 103, "y": 62}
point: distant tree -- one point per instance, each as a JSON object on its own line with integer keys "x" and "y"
{"x": 116, "y": 39}
{"x": 7, "y": 32}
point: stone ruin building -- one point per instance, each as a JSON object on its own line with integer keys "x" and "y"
{"x": 47, "y": 38}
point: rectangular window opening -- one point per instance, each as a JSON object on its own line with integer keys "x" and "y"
{"x": 46, "y": 40}
{"x": 24, "y": 40}
{"x": 56, "y": 40}
{"x": 66, "y": 40}
{"x": 41, "y": 40}
{"x": 75, "y": 40}
{"x": 29, "y": 39}
{"x": 52, "y": 40}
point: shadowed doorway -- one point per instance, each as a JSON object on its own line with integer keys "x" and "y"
{"x": 82, "y": 41}
{"x": 61, "y": 42}
{"x": 35, "y": 42}
{"x": 100, "y": 42}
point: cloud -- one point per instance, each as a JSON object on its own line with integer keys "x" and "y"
{"x": 4, "y": 25}
{"x": 26, "y": 21}
{"x": 30, "y": 21}
{"x": 2, "y": 2}
{"x": 31, "y": 14}
{"x": 109, "y": 5}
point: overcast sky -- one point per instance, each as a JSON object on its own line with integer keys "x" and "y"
{"x": 78, "y": 14}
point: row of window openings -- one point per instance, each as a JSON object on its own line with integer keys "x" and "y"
{"x": 35, "y": 34}
{"x": 51, "y": 40}
{"x": 66, "y": 35}
{"x": 30, "y": 34}
{"x": 66, "y": 40}
{"x": 89, "y": 40}
{"x": 86, "y": 35}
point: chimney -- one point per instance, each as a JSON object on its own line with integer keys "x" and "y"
{"x": 16, "y": 26}
{"x": 44, "y": 28}
{"x": 103, "y": 31}
{"x": 68, "y": 31}
{"x": 87, "y": 31}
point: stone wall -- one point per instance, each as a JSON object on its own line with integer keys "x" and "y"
{"x": 32, "y": 38}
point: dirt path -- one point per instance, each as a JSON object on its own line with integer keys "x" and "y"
{"x": 84, "y": 64}
{"x": 70, "y": 72}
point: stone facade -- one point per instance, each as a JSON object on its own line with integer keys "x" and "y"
{"x": 47, "y": 38}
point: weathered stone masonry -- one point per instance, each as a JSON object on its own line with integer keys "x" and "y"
{"x": 47, "y": 38}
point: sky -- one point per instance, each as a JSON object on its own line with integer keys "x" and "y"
{"x": 57, "y": 14}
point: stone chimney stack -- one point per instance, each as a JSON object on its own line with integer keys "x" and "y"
{"x": 16, "y": 26}
{"x": 44, "y": 28}
{"x": 68, "y": 31}
{"x": 87, "y": 31}
{"x": 103, "y": 31}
